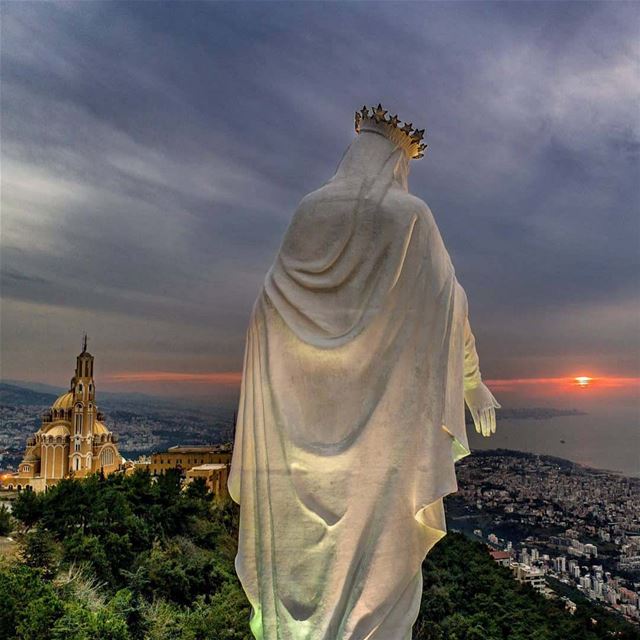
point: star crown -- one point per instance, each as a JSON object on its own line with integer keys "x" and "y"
{"x": 376, "y": 119}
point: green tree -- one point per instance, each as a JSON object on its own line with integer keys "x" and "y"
{"x": 164, "y": 620}
{"x": 225, "y": 617}
{"x": 6, "y": 521}
{"x": 197, "y": 489}
{"x": 180, "y": 571}
{"x": 79, "y": 548}
{"x": 27, "y": 508}
{"x": 39, "y": 551}
{"x": 38, "y": 616}
{"x": 20, "y": 586}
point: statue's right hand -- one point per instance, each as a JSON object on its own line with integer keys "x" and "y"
{"x": 483, "y": 407}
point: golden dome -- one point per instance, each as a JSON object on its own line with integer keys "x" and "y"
{"x": 99, "y": 429}
{"x": 65, "y": 401}
{"x": 58, "y": 430}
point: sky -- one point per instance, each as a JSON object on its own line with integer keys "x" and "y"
{"x": 153, "y": 154}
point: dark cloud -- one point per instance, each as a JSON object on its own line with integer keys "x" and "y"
{"x": 154, "y": 152}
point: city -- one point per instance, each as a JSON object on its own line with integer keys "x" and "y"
{"x": 554, "y": 523}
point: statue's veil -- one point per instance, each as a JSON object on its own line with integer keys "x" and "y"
{"x": 341, "y": 255}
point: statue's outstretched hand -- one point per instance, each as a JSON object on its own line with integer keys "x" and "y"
{"x": 483, "y": 407}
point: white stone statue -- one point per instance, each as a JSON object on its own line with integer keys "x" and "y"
{"x": 359, "y": 356}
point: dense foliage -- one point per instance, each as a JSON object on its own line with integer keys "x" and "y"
{"x": 122, "y": 558}
{"x": 130, "y": 558}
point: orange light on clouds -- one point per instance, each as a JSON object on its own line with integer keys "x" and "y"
{"x": 214, "y": 378}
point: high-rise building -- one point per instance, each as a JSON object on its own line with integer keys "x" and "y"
{"x": 560, "y": 564}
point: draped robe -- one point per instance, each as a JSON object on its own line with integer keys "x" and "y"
{"x": 351, "y": 412}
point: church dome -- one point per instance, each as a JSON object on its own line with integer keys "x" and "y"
{"x": 65, "y": 401}
{"x": 58, "y": 430}
{"x": 99, "y": 429}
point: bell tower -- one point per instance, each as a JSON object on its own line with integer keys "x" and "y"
{"x": 84, "y": 413}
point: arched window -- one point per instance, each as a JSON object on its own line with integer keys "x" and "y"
{"x": 76, "y": 464}
{"x": 106, "y": 457}
{"x": 77, "y": 445}
{"x": 78, "y": 427}
{"x": 80, "y": 388}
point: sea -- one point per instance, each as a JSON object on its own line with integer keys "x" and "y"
{"x": 605, "y": 436}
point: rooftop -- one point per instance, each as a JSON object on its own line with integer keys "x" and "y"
{"x": 213, "y": 448}
{"x": 208, "y": 467}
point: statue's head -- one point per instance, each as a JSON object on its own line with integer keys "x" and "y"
{"x": 406, "y": 137}
{"x": 382, "y": 149}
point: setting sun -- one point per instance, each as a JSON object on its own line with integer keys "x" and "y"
{"x": 583, "y": 381}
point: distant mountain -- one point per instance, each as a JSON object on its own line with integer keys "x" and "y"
{"x": 22, "y": 391}
{"x": 16, "y": 396}
{"x": 109, "y": 399}
{"x": 40, "y": 387}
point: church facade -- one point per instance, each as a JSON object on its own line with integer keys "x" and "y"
{"x": 73, "y": 441}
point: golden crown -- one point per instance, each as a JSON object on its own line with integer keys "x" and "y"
{"x": 405, "y": 136}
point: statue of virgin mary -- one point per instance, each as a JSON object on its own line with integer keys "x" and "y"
{"x": 359, "y": 356}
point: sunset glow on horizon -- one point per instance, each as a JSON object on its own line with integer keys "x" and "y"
{"x": 214, "y": 378}
{"x": 231, "y": 378}
{"x": 567, "y": 383}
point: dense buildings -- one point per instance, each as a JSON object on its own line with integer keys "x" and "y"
{"x": 549, "y": 519}
{"x": 72, "y": 440}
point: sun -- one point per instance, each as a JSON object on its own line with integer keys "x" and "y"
{"x": 583, "y": 381}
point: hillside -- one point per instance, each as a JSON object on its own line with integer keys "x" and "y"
{"x": 468, "y": 596}
{"x": 12, "y": 395}
{"x": 128, "y": 559}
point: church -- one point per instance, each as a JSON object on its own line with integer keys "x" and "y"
{"x": 73, "y": 441}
